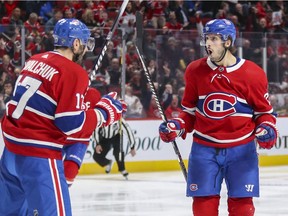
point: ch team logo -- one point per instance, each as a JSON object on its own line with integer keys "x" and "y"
{"x": 193, "y": 187}
{"x": 219, "y": 105}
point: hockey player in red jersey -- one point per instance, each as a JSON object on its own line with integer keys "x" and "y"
{"x": 226, "y": 105}
{"x": 47, "y": 111}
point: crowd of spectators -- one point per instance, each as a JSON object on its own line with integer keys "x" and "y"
{"x": 171, "y": 41}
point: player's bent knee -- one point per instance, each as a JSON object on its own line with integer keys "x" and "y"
{"x": 241, "y": 206}
{"x": 207, "y": 206}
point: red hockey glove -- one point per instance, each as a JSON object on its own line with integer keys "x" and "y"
{"x": 108, "y": 109}
{"x": 70, "y": 170}
{"x": 171, "y": 129}
{"x": 266, "y": 134}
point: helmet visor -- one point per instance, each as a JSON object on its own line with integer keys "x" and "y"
{"x": 203, "y": 39}
{"x": 90, "y": 44}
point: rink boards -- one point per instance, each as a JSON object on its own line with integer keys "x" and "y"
{"x": 155, "y": 155}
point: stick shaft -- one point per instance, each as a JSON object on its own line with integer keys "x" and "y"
{"x": 108, "y": 38}
{"x": 152, "y": 86}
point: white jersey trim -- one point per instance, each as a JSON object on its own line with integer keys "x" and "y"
{"x": 228, "y": 69}
{"x": 32, "y": 141}
{"x": 223, "y": 141}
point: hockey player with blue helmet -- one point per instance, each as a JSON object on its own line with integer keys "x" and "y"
{"x": 47, "y": 119}
{"x": 225, "y": 105}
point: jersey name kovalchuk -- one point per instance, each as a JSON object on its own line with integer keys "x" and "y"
{"x": 40, "y": 68}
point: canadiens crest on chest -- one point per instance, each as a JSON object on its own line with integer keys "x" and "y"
{"x": 219, "y": 105}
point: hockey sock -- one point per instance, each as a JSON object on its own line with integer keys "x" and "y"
{"x": 241, "y": 206}
{"x": 206, "y": 206}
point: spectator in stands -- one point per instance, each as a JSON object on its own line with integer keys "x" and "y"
{"x": 182, "y": 15}
{"x": 189, "y": 54}
{"x": 164, "y": 99}
{"x": 28, "y": 7}
{"x": 157, "y": 13}
{"x": 88, "y": 18}
{"x": 15, "y": 22}
{"x": 261, "y": 8}
{"x": 134, "y": 105}
{"x": 102, "y": 77}
{"x": 172, "y": 54}
{"x": 49, "y": 25}
{"x": 68, "y": 13}
{"x": 152, "y": 69}
{"x": 129, "y": 19}
{"x": 46, "y": 11}
{"x": 173, "y": 109}
{"x": 7, "y": 91}
{"x": 39, "y": 46}
{"x": 137, "y": 83}
{"x": 9, "y": 7}
{"x": 114, "y": 71}
{"x": 7, "y": 66}
{"x": 149, "y": 44}
{"x": 172, "y": 24}
{"x": 48, "y": 41}
{"x": 17, "y": 71}
{"x": 223, "y": 11}
{"x": 103, "y": 20}
{"x": 261, "y": 25}
{"x": 131, "y": 53}
{"x": 110, "y": 52}
{"x": 241, "y": 15}
{"x": 32, "y": 26}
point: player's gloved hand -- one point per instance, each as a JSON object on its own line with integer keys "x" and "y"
{"x": 71, "y": 171}
{"x": 108, "y": 109}
{"x": 266, "y": 134}
{"x": 73, "y": 158}
{"x": 171, "y": 129}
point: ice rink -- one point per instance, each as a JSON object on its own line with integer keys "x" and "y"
{"x": 163, "y": 194}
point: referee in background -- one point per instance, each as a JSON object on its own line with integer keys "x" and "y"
{"x": 110, "y": 137}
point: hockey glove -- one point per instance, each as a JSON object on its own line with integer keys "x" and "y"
{"x": 266, "y": 134}
{"x": 108, "y": 109}
{"x": 71, "y": 171}
{"x": 74, "y": 154}
{"x": 171, "y": 129}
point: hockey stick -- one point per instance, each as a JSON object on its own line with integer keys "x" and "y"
{"x": 108, "y": 38}
{"x": 121, "y": 155}
{"x": 153, "y": 90}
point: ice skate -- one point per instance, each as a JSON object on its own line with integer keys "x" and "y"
{"x": 109, "y": 167}
{"x": 125, "y": 174}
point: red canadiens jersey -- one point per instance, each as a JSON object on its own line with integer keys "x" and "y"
{"x": 224, "y": 104}
{"x": 47, "y": 108}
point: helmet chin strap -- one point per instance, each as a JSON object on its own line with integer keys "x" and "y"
{"x": 223, "y": 55}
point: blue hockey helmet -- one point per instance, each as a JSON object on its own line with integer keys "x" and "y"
{"x": 222, "y": 27}
{"x": 67, "y": 30}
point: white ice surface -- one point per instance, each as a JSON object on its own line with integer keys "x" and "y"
{"x": 163, "y": 194}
